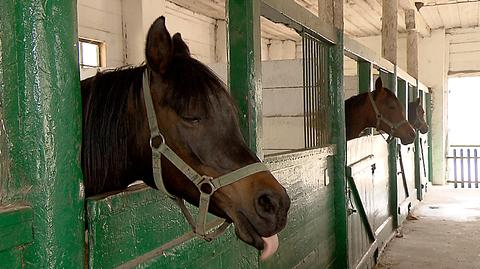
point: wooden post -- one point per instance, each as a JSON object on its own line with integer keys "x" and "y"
{"x": 41, "y": 111}
{"x": 412, "y": 43}
{"x": 244, "y": 77}
{"x": 331, "y": 11}
{"x": 389, "y": 30}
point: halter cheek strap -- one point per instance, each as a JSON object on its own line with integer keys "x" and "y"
{"x": 380, "y": 118}
{"x": 206, "y": 185}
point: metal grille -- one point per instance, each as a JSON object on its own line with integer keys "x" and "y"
{"x": 315, "y": 91}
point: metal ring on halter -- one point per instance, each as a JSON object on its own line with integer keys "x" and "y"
{"x": 207, "y": 181}
{"x": 156, "y": 136}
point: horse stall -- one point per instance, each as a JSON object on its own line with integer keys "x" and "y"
{"x": 347, "y": 198}
{"x": 383, "y": 178}
{"x": 140, "y": 227}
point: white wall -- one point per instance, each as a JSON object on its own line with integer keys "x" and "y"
{"x": 118, "y": 24}
{"x": 464, "y": 51}
{"x": 433, "y": 68}
{"x": 102, "y": 21}
{"x": 375, "y": 43}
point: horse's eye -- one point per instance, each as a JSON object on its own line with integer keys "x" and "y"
{"x": 191, "y": 119}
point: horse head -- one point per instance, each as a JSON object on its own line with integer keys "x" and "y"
{"x": 416, "y": 116}
{"x": 390, "y": 114}
{"x": 198, "y": 121}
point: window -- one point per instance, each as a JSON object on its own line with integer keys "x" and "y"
{"x": 90, "y": 53}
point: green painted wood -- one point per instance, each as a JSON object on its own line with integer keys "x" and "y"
{"x": 41, "y": 111}
{"x": 428, "y": 111}
{"x": 244, "y": 75}
{"x": 402, "y": 94}
{"x": 15, "y": 227}
{"x": 364, "y": 70}
{"x": 337, "y": 123}
{"x": 418, "y": 178}
{"x": 11, "y": 258}
{"x": 392, "y": 160}
{"x": 126, "y": 225}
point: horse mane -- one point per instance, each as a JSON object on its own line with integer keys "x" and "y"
{"x": 111, "y": 102}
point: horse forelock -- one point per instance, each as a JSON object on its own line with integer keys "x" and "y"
{"x": 193, "y": 85}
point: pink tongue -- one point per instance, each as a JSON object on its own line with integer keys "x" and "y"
{"x": 270, "y": 245}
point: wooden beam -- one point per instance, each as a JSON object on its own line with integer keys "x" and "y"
{"x": 412, "y": 43}
{"x": 331, "y": 11}
{"x": 325, "y": 11}
{"x": 421, "y": 26}
{"x": 389, "y": 30}
{"x": 412, "y": 53}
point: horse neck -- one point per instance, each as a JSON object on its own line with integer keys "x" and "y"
{"x": 359, "y": 115}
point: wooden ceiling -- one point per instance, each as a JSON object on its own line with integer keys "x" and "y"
{"x": 363, "y": 17}
{"x": 451, "y": 13}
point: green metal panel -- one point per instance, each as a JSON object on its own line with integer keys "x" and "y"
{"x": 41, "y": 114}
{"x": 244, "y": 73}
{"x": 12, "y": 258}
{"x": 15, "y": 227}
{"x": 392, "y": 159}
{"x": 418, "y": 179}
{"x": 337, "y": 123}
{"x": 127, "y": 225}
{"x": 428, "y": 108}
{"x": 402, "y": 94}
{"x": 364, "y": 70}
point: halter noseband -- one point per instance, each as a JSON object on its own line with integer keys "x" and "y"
{"x": 380, "y": 117}
{"x": 206, "y": 185}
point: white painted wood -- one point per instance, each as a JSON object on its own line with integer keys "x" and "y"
{"x": 221, "y": 41}
{"x": 102, "y": 21}
{"x": 433, "y": 68}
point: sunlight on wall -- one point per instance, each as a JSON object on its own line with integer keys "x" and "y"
{"x": 464, "y": 111}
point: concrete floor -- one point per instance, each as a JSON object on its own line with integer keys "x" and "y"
{"x": 445, "y": 236}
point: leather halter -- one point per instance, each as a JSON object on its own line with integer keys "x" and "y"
{"x": 380, "y": 118}
{"x": 206, "y": 185}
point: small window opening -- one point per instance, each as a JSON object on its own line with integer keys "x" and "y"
{"x": 90, "y": 53}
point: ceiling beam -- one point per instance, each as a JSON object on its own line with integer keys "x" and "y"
{"x": 420, "y": 24}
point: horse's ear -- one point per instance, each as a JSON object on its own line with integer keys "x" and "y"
{"x": 158, "y": 50}
{"x": 179, "y": 46}
{"x": 378, "y": 84}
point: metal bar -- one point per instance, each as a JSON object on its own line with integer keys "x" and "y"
{"x": 423, "y": 158}
{"x": 359, "y": 205}
{"x": 428, "y": 107}
{"x": 468, "y": 169}
{"x": 316, "y": 95}
{"x": 304, "y": 74}
{"x": 461, "y": 169}
{"x": 402, "y": 171}
{"x": 475, "y": 165}
{"x": 41, "y": 110}
{"x": 455, "y": 168}
{"x": 245, "y": 68}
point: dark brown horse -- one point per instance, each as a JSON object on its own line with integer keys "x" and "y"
{"x": 416, "y": 116}
{"x": 198, "y": 121}
{"x": 378, "y": 109}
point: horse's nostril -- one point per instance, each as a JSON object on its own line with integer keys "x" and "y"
{"x": 267, "y": 204}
